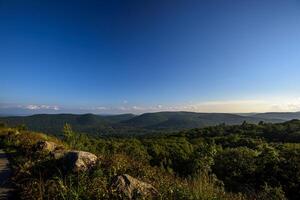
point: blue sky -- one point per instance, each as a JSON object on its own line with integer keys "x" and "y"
{"x": 139, "y": 56}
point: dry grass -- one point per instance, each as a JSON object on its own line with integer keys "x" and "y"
{"x": 34, "y": 181}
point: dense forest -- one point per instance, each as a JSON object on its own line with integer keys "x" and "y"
{"x": 159, "y": 122}
{"x": 247, "y": 161}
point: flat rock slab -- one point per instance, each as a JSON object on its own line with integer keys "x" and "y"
{"x": 6, "y": 191}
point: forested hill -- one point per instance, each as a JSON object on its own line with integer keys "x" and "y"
{"x": 279, "y": 115}
{"x": 186, "y": 120}
{"x": 53, "y": 123}
{"x": 133, "y": 124}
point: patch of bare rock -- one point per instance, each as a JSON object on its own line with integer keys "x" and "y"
{"x": 75, "y": 160}
{"x": 132, "y": 187}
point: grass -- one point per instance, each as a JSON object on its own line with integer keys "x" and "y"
{"x": 38, "y": 176}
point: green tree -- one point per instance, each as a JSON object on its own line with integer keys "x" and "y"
{"x": 236, "y": 167}
{"x": 22, "y": 127}
{"x": 69, "y": 135}
{"x": 272, "y": 193}
{"x": 202, "y": 159}
{"x": 2, "y": 125}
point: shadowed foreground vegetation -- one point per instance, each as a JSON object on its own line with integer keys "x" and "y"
{"x": 221, "y": 162}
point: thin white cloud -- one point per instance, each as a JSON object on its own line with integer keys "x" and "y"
{"x": 41, "y": 107}
{"x": 101, "y": 108}
{"x": 123, "y": 108}
{"x": 137, "y": 108}
{"x": 271, "y": 105}
{"x": 32, "y": 107}
{"x": 226, "y": 106}
{"x": 233, "y": 106}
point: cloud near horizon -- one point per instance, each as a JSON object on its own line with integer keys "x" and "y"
{"x": 236, "y": 106}
{"x": 41, "y": 107}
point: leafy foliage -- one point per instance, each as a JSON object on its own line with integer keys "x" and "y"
{"x": 244, "y": 161}
{"x": 130, "y": 124}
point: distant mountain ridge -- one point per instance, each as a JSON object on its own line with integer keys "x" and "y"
{"x": 186, "y": 120}
{"x": 278, "y": 115}
{"x": 53, "y": 123}
{"x": 139, "y": 124}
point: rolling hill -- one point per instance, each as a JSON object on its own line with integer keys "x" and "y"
{"x": 186, "y": 120}
{"x": 138, "y": 124}
{"x": 53, "y": 123}
{"x": 279, "y": 115}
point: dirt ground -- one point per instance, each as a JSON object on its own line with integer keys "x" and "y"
{"x": 6, "y": 191}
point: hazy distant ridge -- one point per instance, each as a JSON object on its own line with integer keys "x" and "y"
{"x": 139, "y": 124}
{"x": 278, "y": 115}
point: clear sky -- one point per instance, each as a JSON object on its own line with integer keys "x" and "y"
{"x": 149, "y": 55}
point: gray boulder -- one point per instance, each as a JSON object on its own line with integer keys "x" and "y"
{"x": 80, "y": 160}
{"x": 127, "y": 186}
{"x": 72, "y": 159}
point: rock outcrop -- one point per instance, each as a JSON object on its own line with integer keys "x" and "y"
{"x": 74, "y": 160}
{"x": 132, "y": 188}
{"x": 80, "y": 160}
{"x": 46, "y": 146}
